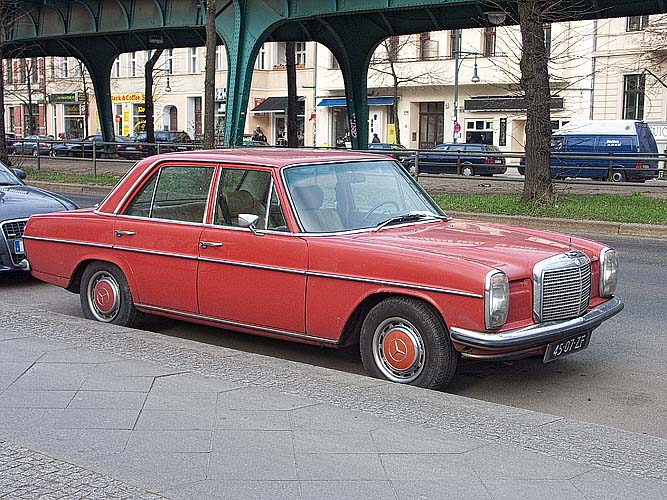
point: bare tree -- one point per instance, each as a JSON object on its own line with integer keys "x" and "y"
{"x": 292, "y": 98}
{"x": 148, "y": 95}
{"x": 388, "y": 68}
{"x": 209, "y": 80}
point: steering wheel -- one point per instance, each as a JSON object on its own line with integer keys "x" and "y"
{"x": 375, "y": 207}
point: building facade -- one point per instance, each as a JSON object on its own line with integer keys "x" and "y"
{"x": 423, "y": 89}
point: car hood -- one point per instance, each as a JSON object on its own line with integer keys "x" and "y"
{"x": 20, "y": 201}
{"x": 497, "y": 246}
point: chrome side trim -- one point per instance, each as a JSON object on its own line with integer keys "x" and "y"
{"x": 397, "y": 284}
{"x": 153, "y": 252}
{"x": 539, "y": 333}
{"x": 237, "y": 324}
{"x": 68, "y": 242}
{"x": 253, "y": 266}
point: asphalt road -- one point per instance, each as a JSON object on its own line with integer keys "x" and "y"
{"x": 619, "y": 381}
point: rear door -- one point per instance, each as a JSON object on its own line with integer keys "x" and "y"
{"x": 157, "y": 235}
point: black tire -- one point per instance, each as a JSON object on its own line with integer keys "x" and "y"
{"x": 617, "y": 176}
{"x": 425, "y": 358}
{"x": 35, "y": 152}
{"x": 467, "y": 170}
{"x": 106, "y": 296}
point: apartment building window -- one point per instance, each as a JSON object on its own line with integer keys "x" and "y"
{"x": 300, "y": 53}
{"x": 34, "y": 70}
{"x": 636, "y": 23}
{"x": 64, "y": 67}
{"x": 219, "y": 54}
{"x": 9, "y": 71}
{"x": 116, "y": 68}
{"x": 261, "y": 57}
{"x": 169, "y": 61}
{"x": 333, "y": 63}
{"x": 489, "y": 41}
{"x": 133, "y": 64}
{"x": 547, "y": 38}
{"x": 76, "y": 68}
{"x": 428, "y": 49}
{"x": 193, "y": 61}
{"x": 633, "y": 97}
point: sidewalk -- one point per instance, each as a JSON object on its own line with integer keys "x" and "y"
{"x": 89, "y": 410}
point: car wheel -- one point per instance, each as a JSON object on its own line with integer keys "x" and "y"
{"x": 106, "y": 296}
{"x": 34, "y": 152}
{"x": 52, "y": 153}
{"x": 467, "y": 170}
{"x": 617, "y": 176}
{"x": 404, "y": 340}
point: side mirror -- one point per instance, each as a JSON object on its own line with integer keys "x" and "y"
{"x": 250, "y": 221}
{"x": 19, "y": 173}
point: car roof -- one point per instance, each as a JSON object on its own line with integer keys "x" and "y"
{"x": 272, "y": 157}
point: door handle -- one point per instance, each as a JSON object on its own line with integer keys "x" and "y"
{"x": 120, "y": 233}
{"x": 206, "y": 244}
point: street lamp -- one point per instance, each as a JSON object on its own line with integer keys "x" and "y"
{"x": 458, "y": 60}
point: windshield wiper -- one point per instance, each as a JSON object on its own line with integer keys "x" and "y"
{"x": 409, "y": 217}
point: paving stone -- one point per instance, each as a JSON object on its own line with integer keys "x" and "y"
{"x": 16, "y": 398}
{"x": 348, "y": 490}
{"x": 78, "y": 355}
{"x": 253, "y": 466}
{"x": 25, "y": 348}
{"x": 318, "y": 441}
{"x": 259, "y": 442}
{"x": 258, "y": 398}
{"x": 28, "y": 418}
{"x": 188, "y": 382}
{"x": 270, "y": 420}
{"x": 329, "y": 417}
{"x": 204, "y": 401}
{"x": 504, "y": 462}
{"x": 237, "y": 490}
{"x": 175, "y": 420}
{"x": 65, "y": 441}
{"x": 106, "y": 418}
{"x": 458, "y": 489}
{"x": 104, "y": 382}
{"x": 169, "y": 442}
{"x": 54, "y": 376}
{"x": 134, "y": 368}
{"x": 108, "y": 399}
{"x": 340, "y": 467}
{"x": 515, "y": 489}
{"x": 427, "y": 467}
{"x": 410, "y": 438}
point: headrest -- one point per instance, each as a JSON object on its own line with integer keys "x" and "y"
{"x": 240, "y": 202}
{"x": 308, "y": 197}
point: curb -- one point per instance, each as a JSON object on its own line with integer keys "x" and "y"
{"x": 564, "y": 225}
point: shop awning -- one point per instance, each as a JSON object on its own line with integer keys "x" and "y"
{"x": 340, "y": 101}
{"x": 273, "y": 104}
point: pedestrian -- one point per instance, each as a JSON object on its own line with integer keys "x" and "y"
{"x": 258, "y": 135}
{"x": 376, "y": 139}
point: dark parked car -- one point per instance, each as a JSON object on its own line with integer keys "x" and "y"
{"x": 168, "y": 141}
{"x": 471, "y": 159}
{"x": 392, "y": 150}
{"x": 125, "y": 148}
{"x": 17, "y": 203}
{"x": 33, "y": 145}
{"x": 10, "y": 137}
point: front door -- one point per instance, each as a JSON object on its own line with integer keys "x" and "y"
{"x": 247, "y": 279}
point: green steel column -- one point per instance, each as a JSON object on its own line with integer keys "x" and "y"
{"x": 99, "y": 61}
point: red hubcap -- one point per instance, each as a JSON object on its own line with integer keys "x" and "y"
{"x": 399, "y": 350}
{"x": 105, "y": 297}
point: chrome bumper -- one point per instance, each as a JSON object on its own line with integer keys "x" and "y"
{"x": 542, "y": 333}
{"x": 24, "y": 265}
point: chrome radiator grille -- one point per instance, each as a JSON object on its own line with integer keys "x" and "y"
{"x": 13, "y": 230}
{"x": 562, "y": 287}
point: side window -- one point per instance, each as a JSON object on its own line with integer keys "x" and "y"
{"x": 581, "y": 144}
{"x": 174, "y": 193}
{"x": 242, "y": 191}
{"x": 276, "y": 220}
{"x": 556, "y": 143}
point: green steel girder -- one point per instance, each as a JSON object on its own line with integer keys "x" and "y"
{"x": 97, "y": 31}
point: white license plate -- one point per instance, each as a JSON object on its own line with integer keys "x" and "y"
{"x": 18, "y": 247}
{"x": 557, "y": 350}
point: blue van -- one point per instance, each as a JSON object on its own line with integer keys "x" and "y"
{"x": 628, "y": 147}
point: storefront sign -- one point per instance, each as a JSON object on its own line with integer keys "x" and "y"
{"x": 63, "y": 98}
{"x": 136, "y": 97}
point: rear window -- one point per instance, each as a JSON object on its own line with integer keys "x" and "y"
{"x": 647, "y": 142}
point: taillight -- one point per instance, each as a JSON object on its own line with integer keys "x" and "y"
{"x": 638, "y": 165}
{"x": 488, "y": 160}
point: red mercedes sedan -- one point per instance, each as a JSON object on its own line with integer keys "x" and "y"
{"x": 329, "y": 248}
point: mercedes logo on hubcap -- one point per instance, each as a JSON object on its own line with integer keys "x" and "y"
{"x": 398, "y": 350}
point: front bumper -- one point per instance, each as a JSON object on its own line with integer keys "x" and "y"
{"x": 538, "y": 335}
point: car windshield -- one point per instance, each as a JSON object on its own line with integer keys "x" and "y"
{"x": 7, "y": 177}
{"x": 356, "y": 195}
